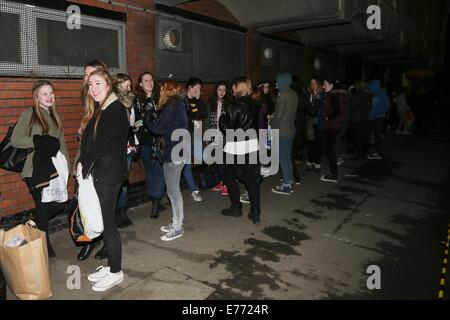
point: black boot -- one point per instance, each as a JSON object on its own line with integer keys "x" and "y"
{"x": 101, "y": 254}
{"x": 51, "y": 252}
{"x": 254, "y": 216}
{"x": 126, "y": 222}
{"x": 233, "y": 211}
{"x": 156, "y": 209}
{"x": 86, "y": 251}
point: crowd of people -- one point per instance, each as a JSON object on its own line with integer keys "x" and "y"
{"x": 121, "y": 125}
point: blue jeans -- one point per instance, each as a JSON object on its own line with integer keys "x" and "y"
{"x": 187, "y": 172}
{"x": 124, "y": 190}
{"x": 285, "y": 160}
{"x": 154, "y": 175}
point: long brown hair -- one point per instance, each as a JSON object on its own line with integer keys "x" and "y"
{"x": 97, "y": 64}
{"x": 140, "y": 93}
{"x": 37, "y": 117}
{"x": 170, "y": 90}
{"x": 93, "y": 109}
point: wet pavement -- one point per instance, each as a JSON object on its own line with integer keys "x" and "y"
{"x": 315, "y": 244}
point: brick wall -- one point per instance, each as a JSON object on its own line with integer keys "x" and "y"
{"x": 15, "y": 93}
{"x": 15, "y": 96}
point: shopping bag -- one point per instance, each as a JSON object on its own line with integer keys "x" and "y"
{"x": 76, "y": 227}
{"x": 89, "y": 207}
{"x": 57, "y": 189}
{"x": 25, "y": 267}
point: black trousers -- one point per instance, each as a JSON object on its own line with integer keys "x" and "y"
{"x": 297, "y": 146}
{"x": 361, "y": 131}
{"x": 44, "y": 212}
{"x": 249, "y": 174}
{"x": 312, "y": 151}
{"x": 107, "y": 195}
{"x": 329, "y": 138}
{"x": 376, "y": 126}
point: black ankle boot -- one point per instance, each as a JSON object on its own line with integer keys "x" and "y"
{"x": 86, "y": 251}
{"x": 126, "y": 222}
{"x": 254, "y": 216}
{"x": 233, "y": 211}
{"x": 101, "y": 254}
{"x": 156, "y": 209}
{"x": 51, "y": 252}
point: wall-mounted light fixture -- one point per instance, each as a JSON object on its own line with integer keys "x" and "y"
{"x": 317, "y": 63}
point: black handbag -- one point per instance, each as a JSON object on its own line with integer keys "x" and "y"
{"x": 76, "y": 227}
{"x": 208, "y": 177}
{"x": 12, "y": 158}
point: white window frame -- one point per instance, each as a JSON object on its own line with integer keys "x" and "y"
{"x": 29, "y": 50}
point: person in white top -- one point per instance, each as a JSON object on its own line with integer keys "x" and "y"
{"x": 404, "y": 113}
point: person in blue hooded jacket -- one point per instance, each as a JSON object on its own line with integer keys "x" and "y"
{"x": 380, "y": 106}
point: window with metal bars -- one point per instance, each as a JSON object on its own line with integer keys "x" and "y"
{"x": 36, "y": 41}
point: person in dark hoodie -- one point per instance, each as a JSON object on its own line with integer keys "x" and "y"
{"x": 284, "y": 120}
{"x": 40, "y": 128}
{"x": 359, "y": 107}
{"x": 330, "y": 122}
{"x": 197, "y": 113}
{"x": 380, "y": 105}
{"x": 173, "y": 117}
{"x": 146, "y": 102}
{"x": 242, "y": 114}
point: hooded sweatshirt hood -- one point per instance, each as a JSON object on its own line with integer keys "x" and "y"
{"x": 375, "y": 86}
{"x": 381, "y": 101}
{"x": 284, "y": 80}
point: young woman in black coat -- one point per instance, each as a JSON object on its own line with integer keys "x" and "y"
{"x": 103, "y": 155}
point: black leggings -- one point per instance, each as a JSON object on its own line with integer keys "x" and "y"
{"x": 249, "y": 174}
{"x": 44, "y": 212}
{"x": 108, "y": 194}
{"x": 362, "y": 139}
{"x": 329, "y": 138}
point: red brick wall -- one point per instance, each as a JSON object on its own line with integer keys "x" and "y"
{"x": 15, "y": 96}
{"x": 210, "y": 8}
{"x": 15, "y": 93}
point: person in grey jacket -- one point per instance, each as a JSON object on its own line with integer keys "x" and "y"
{"x": 40, "y": 127}
{"x": 284, "y": 121}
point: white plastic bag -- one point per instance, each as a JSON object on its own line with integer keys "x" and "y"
{"x": 89, "y": 206}
{"x": 57, "y": 190}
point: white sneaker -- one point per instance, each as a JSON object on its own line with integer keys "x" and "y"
{"x": 109, "y": 281}
{"x": 196, "y": 196}
{"x": 166, "y": 228}
{"x": 99, "y": 275}
{"x": 172, "y": 235}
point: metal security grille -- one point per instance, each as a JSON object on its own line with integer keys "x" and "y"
{"x": 189, "y": 48}
{"x": 37, "y": 42}
{"x": 170, "y": 35}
